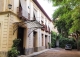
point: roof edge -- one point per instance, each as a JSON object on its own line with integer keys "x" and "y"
{"x": 40, "y": 7}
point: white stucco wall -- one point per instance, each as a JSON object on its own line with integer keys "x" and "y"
{"x": 15, "y": 5}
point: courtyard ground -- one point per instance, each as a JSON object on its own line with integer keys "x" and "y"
{"x": 58, "y": 52}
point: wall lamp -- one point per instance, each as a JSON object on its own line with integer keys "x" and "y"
{"x": 9, "y": 6}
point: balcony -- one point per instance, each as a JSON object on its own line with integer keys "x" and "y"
{"x": 23, "y": 14}
{"x": 43, "y": 28}
{"x": 48, "y": 30}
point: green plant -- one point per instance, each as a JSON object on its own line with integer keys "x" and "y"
{"x": 63, "y": 41}
{"x": 78, "y": 44}
{"x": 14, "y": 52}
{"x": 53, "y": 39}
{"x": 16, "y": 42}
{"x": 49, "y": 44}
{"x": 53, "y": 42}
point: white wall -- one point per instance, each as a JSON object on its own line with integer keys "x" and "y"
{"x": 15, "y": 5}
{"x": 39, "y": 32}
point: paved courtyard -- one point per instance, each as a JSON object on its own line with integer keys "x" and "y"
{"x": 59, "y": 53}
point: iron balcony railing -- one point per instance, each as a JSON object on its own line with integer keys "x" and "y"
{"x": 23, "y": 14}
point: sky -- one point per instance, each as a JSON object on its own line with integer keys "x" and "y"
{"x": 47, "y": 6}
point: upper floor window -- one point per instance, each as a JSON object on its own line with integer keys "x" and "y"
{"x": 23, "y": 9}
{"x": 34, "y": 14}
{"x": 42, "y": 22}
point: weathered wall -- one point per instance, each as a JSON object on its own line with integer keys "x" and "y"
{"x": 12, "y": 26}
{"x": 1, "y": 3}
{"x": 4, "y": 32}
{"x": 6, "y": 29}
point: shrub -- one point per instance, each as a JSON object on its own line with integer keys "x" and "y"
{"x": 63, "y": 41}
{"x": 16, "y": 42}
{"x": 79, "y": 43}
{"x": 78, "y": 47}
{"x": 49, "y": 44}
{"x": 14, "y": 52}
{"x": 53, "y": 39}
{"x": 53, "y": 42}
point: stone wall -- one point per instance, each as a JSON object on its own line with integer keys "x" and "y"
{"x": 3, "y": 54}
{"x": 1, "y": 3}
{"x": 31, "y": 50}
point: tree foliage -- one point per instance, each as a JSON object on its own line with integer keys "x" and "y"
{"x": 68, "y": 14}
{"x": 63, "y": 24}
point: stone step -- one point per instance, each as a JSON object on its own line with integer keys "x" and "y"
{"x": 23, "y": 56}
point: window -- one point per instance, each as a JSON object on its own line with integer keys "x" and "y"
{"x": 42, "y": 22}
{"x": 34, "y": 14}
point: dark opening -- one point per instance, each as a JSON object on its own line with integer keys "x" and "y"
{"x": 35, "y": 41}
{"x": 20, "y": 35}
{"x": 42, "y": 40}
{"x": 46, "y": 41}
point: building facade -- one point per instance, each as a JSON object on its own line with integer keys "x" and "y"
{"x": 14, "y": 18}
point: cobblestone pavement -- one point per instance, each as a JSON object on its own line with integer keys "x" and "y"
{"x": 59, "y": 53}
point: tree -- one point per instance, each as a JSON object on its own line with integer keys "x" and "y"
{"x": 68, "y": 13}
{"x": 63, "y": 24}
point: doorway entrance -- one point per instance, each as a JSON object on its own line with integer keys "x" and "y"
{"x": 42, "y": 40}
{"x": 35, "y": 41}
{"x": 46, "y": 43}
{"x": 20, "y": 35}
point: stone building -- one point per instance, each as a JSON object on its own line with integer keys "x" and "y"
{"x": 25, "y": 20}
